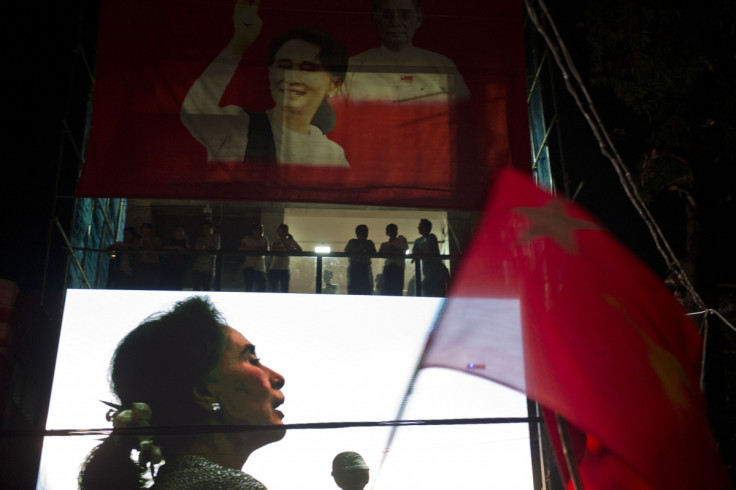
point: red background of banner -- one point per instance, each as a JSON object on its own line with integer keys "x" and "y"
{"x": 150, "y": 53}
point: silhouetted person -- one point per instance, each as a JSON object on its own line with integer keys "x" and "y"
{"x": 350, "y": 471}
{"x": 360, "y": 275}
{"x": 174, "y": 264}
{"x": 121, "y": 264}
{"x": 279, "y": 274}
{"x": 393, "y": 268}
{"x": 254, "y": 266}
{"x": 435, "y": 276}
{"x": 147, "y": 260}
{"x": 203, "y": 268}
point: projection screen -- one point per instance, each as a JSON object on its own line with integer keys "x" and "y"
{"x": 344, "y": 358}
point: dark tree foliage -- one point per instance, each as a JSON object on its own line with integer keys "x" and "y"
{"x": 672, "y": 65}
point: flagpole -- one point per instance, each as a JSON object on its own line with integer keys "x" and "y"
{"x": 399, "y": 416}
{"x": 704, "y": 330}
{"x": 412, "y": 382}
{"x": 536, "y": 444}
{"x": 568, "y": 452}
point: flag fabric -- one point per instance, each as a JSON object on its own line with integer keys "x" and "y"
{"x": 597, "y": 338}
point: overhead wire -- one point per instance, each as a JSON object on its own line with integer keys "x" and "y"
{"x": 579, "y": 92}
{"x": 208, "y": 429}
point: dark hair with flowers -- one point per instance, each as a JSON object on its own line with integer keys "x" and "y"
{"x": 159, "y": 363}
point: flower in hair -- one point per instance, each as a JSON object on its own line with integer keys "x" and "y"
{"x": 149, "y": 453}
{"x": 139, "y": 415}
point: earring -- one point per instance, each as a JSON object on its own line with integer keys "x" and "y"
{"x": 216, "y": 407}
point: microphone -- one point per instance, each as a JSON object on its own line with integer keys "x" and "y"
{"x": 350, "y": 471}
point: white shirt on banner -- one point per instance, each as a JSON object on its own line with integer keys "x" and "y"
{"x": 410, "y": 75}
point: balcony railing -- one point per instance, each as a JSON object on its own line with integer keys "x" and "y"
{"x": 311, "y": 272}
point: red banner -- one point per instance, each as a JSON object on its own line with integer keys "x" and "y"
{"x": 388, "y": 104}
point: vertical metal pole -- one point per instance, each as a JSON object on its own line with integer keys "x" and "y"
{"x": 417, "y": 277}
{"x": 568, "y": 452}
{"x": 318, "y": 272}
{"x": 217, "y": 280}
{"x": 535, "y": 442}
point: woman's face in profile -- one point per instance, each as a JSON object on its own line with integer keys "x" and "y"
{"x": 299, "y": 82}
{"x": 248, "y": 392}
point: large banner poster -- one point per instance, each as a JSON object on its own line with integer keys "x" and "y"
{"x": 391, "y": 102}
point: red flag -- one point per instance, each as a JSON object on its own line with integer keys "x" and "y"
{"x": 596, "y": 338}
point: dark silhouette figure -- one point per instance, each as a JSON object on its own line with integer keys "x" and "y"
{"x": 279, "y": 274}
{"x": 121, "y": 263}
{"x": 147, "y": 259}
{"x": 393, "y": 268}
{"x": 175, "y": 262}
{"x": 360, "y": 275}
{"x": 254, "y": 266}
{"x": 435, "y": 275}
{"x": 350, "y": 471}
{"x": 203, "y": 268}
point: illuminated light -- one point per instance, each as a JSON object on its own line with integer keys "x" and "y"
{"x": 322, "y": 249}
{"x": 473, "y": 365}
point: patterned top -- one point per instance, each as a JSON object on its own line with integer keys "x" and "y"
{"x": 195, "y": 472}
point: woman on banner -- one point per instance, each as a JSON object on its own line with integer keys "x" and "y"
{"x": 180, "y": 369}
{"x": 305, "y": 67}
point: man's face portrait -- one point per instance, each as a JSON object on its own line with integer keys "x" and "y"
{"x": 396, "y": 22}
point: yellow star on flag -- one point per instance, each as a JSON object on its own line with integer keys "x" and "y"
{"x": 664, "y": 364}
{"x": 553, "y": 221}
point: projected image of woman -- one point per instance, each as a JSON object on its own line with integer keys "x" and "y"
{"x": 305, "y": 67}
{"x": 178, "y": 369}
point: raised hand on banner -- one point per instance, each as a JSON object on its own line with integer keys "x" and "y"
{"x": 247, "y": 24}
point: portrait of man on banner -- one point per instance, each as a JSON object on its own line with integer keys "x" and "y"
{"x": 398, "y": 71}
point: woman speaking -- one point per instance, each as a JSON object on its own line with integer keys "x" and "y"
{"x": 176, "y": 371}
